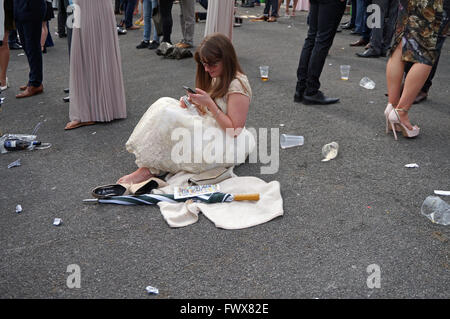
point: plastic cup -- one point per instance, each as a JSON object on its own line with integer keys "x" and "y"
{"x": 345, "y": 72}
{"x": 367, "y": 83}
{"x": 264, "y": 71}
{"x": 287, "y": 141}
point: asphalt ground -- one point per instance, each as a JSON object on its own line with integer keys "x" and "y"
{"x": 340, "y": 217}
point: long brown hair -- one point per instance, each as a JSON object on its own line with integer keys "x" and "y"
{"x": 216, "y": 48}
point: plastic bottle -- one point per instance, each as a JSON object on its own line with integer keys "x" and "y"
{"x": 436, "y": 210}
{"x": 17, "y": 144}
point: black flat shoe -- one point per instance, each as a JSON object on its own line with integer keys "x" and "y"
{"x": 66, "y": 99}
{"x": 15, "y": 46}
{"x": 369, "y": 53}
{"x": 319, "y": 98}
{"x": 143, "y": 45}
{"x": 153, "y": 45}
{"x": 298, "y": 96}
{"x": 66, "y": 90}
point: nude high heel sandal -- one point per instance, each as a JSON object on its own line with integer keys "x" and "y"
{"x": 388, "y": 110}
{"x": 394, "y": 119}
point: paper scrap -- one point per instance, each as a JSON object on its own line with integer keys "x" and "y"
{"x": 57, "y": 221}
{"x": 14, "y": 164}
{"x": 413, "y": 165}
{"x": 152, "y": 290}
{"x": 442, "y": 193}
{"x": 18, "y": 209}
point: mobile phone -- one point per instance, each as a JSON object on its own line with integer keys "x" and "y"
{"x": 187, "y": 88}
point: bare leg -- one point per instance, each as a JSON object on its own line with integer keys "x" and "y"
{"x": 394, "y": 75}
{"x": 293, "y": 7}
{"x": 279, "y": 6}
{"x": 414, "y": 81}
{"x": 138, "y": 176}
{"x": 4, "y": 59}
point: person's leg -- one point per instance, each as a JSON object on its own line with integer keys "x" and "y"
{"x": 131, "y": 4}
{"x": 360, "y": 13}
{"x": 187, "y": 19}
{"x": 328, "y": 19}
{"x": 376, "y": 38}
{"x": 148, "y": 8}
{"x": 62, "y": 18}
{"x": 155, "y": 32}
{"x": 275, "y": 8}
{"x": 305, "y": 56}
{"x": 389, "y": 27}
{"x": 4, "y": 60}
{"x": 353, "y": 17}
{"x": 395, "y": 68}
{"x": 30, "y": 34}
{"x": 293, "y": 8}
{"x": 167, "y": 22}
{"x": 267, "y": 8}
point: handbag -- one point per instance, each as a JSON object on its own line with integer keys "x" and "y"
{"x": 213, "y": 176}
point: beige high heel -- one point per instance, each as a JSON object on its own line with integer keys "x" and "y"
{"x": 388, "y": 110}
{"x": 394, "y": 119}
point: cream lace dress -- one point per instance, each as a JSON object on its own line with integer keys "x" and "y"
{"x": 169, "y": 138}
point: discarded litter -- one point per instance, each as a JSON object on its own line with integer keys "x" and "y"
{"x": 442, "y": 193}
{"x": 345, "y": 72}
{"x": 281, "y": 125}
{"x": 21, "y": 54}
{"x": 435, "y": 209}
{"x": 330, "y": 151}
{"x": 57, "y": 221}
{"x": 14, "y": 164}
{"x": 412, "y": 165}
{"x": 287, "y": 141}
{"x": 18, "y": 209}
{"x": 21, "y": 137}
{"x": 152, "y": 290}
{"x": 367, "y": 83}
{"x": 264, "y": 71}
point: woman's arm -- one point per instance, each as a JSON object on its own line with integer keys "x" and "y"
{"x": 237, "y": 109}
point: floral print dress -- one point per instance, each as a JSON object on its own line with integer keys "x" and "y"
{"x": 418, "y": 25}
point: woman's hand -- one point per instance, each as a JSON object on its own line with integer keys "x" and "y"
{"x": 202, "y": 100}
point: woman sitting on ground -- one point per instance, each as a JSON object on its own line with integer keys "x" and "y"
{"x": 222, "y": 101}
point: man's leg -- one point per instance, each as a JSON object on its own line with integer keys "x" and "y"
{"x": 166, "y": 17}
{"x": 30, "y": 33}
{"x": 131, "y": 5}
{"x": 62, "y": 19}
{"x": 389, "y": 27}
{"x": 187, "y": 20}
{"x": 305, "y": 56}
{"x": 329, "y": 16}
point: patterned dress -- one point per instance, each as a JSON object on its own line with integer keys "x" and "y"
{"x": 418, "y": 26}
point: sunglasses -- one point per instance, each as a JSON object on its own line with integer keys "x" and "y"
{"x": 210, "y": 64}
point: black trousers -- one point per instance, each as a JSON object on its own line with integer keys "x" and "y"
{"x": 62, "y": 17}
{"x": 30, "y": 36}
{"x": 324, "y": 18}
{"x": 166, "y": 17}
{"x": 381, "y": 37}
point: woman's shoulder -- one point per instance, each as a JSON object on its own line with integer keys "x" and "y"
{"x": 240, "y": 84}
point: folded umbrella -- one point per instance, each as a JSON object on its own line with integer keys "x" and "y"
{"x": 153, "y": 199}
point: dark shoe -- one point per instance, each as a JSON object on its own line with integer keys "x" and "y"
{"x": 67, "y": 90}
{"x": 369, "y": 53}
{"x": 143, "y": 45}
{"x": 248, "y": 5}
{"x": 153, "y": 45}
{"x": 298, "y": 97}
{"x": 422, "y": 96}
{"x": 15, "y": 46}
{"x": 360, "y": 43}
{"x": 30, "y": 91}
{"x": 62, "y": 35}
{"x": 339, "y": 29}
{"x": 44, "y": 50}
{"x": 318, "y": 98}
{"x": 121, "y": 31}
{"x": 66, "y": 99}
{"x": 348, "y": 26}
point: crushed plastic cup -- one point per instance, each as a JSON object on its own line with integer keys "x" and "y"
{"x": 345, "y": 72}
{"x": 436, "y": 210}
{"x": 264, "y": 71}
{"x": 152, "y": 290}
{"x": 367, "y": 83}
{"x": 287, "y": 141}
{"x": 330, "y": 151}
{"x": 14, "y": 164}
{"x": 57, "y": 221}
{"x": 18, "y": 209}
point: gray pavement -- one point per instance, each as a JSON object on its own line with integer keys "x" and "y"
{"x": 340, "y": 217}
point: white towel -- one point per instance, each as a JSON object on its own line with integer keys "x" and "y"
{"x": 234, "y": 215}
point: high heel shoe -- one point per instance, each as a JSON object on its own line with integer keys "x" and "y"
{"x": 388, "y": 110}
{"x": 2, "y": 88}
{"x": 394, "y": 119}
